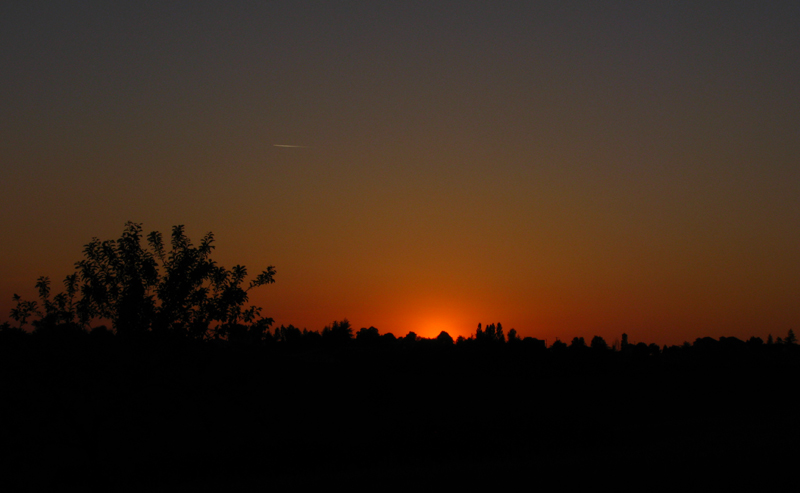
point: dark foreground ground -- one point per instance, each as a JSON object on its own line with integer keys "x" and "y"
{"x": 147, "y": 416}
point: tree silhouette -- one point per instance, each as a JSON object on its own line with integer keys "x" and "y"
{"x": 368, "y": 335}
{"x": 410, "y": 338}
{"x": 577, "y": 342}
{"x": 56, "y": 312}
{"x": 599, "y": 344}
{"x": 180, "y": 291}
{"x": 444, "y": 338}
{"x": 118, "y": 279}
{"x": 492, "y": 333}
{"x": 23, "y": 310}
{"x": 338, "y": 332}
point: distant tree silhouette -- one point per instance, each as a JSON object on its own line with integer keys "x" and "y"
{"x": 411, "y": 337}
{"x": 577, "y": 342}
{"x": 489, "y": 333}
{"x": 338, "y": 332}
{"x": 444, "y": 338}
{"x": 368, "y": 335}
{"x": 311, "y": 337}
{"x": 639, "y": 350}
{"x": 790, "y": 338}
{"x": 755, "y": 341}
{"x": 492, "y": 333}
{"x": 537, "y": 344}
{"x": 599, "y": 344}
{"x": 289, "y": 335}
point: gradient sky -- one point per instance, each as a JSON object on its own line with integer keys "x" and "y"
{"x": 565, "y": 168}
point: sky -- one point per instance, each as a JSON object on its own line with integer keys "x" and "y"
{"x": 565, "y": 168}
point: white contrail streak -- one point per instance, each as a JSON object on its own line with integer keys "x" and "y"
{"x": 285, "y": 145}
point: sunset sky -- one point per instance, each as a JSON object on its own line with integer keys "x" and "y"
{"x": 566, "y": 168}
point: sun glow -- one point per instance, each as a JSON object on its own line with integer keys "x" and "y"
{"x": 431, "y": 326}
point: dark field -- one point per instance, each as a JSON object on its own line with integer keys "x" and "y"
{"x": 147, "y": 414}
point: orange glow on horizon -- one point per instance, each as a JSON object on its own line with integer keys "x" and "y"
{"x": 432, "y": 327}
{"x": 434, "y": 189}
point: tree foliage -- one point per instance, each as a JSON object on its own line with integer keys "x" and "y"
{"x": 138, "y": 288}
{"x": 491, "y": 334}
{"x": 338, "y": 332}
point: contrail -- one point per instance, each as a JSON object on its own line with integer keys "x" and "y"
{"x": 285, "y": 145}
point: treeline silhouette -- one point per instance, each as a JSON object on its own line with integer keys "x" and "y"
{"x": 190, "y": 388}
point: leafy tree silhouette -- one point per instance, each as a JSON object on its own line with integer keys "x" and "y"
{"x": 599, "y": 344}
{"x": 444, "y": 338}
{"x": 558, "y": 346}
{"x": 755, "y": 341}
{"x": 58, "y": 316}
{"x": 368, "y": 335}
{"x": 577, "y": 342}
{"x": 23, "y": 310}
{"x": 489, "y": 333}
{"x": 118, "y": 278}
{"x": 492, "y": 333}
{"x": 57, "y": 312}
{"x": 180, "y": 291}
{"x": 338, "y": 332}
{"x": 410, "y": 338}
{"x": 289, "y": 335}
